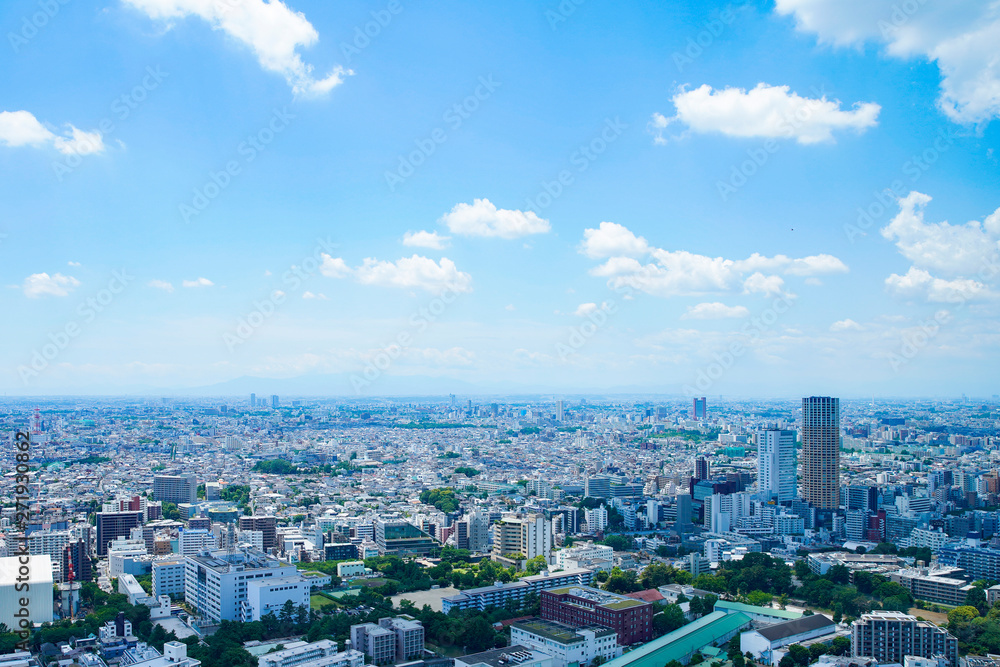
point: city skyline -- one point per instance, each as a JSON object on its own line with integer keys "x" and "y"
{"x": 378, "y": 199}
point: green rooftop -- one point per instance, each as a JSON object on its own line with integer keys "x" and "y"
{"x": 557, "y": 632}
{"x": 731, "y": 607}
{"x": 684, "y": 641}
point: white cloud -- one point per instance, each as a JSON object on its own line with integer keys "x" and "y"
{"x": 334, "y": 267}
{"x": 198, "y": 282}
{"x": 309, "y": 295}
{"x": 678, "y": 272}
{"x": 161, "y": 284}
{"x": 917, "y": 283}
{"x": 951, "y": 249}
{"x": 714, "y": 311}
{"x": 509, "y": 306}
{"x": 611, "y": 239}
{"x": 846, "y": 325}
{"x": 72, "y": 263}
{"x": 42, "y": 284}
{"x": 21, "y": 128}
{"x": 482, "y": 218}
{"x": 414, "y": 272}
{"x": 771, "y": 112}
{"x": 425, "y": 239}
{"x": 585, "y": 309}
{"x": 959, "y": 35}
{"x": 271, "y": 29}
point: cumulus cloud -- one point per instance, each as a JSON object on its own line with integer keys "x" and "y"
{"x": 425, "y": 239}
{"x": 846, "y": 325}
{"x": 414, "y": 272}
{"x": 585, "y": 309}
{"x": 951, "y": 249}
{"x": 630, "y": 261}
{"x": 483, "y": 218}
{"x": 272, "y": 30}
{"x": 968, "y": 256}
{"x": 771, "y": 112}
{"x": 309, "y": 295}
{"x": 920, "y": 284}
{"x": 959, "y": 35}
{"x": 198, "y": 282}
{"x": 161, "y": 284}
{"x": 21, "y": 128}
{"x": 714, "y": 311}
{"x": 42, "y": 284}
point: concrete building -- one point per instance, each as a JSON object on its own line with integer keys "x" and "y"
{"x": 374, "y": 641}
{"x": 888, "y": 636}
{"x": 943, "y": 585}
{"x": 499, "y": 594}
{"x": 268, "y": 527}
{"x": 353, "y": 568}
{"x": 113, "y": 525}
{"x": 631, "y": 619}
{"x": 776, "y": 464}
{"x": 597, "y": 487}
{"x": 568, "y": 646}
{"x": 18, "y": 587}
{"x": 396, "y": 537}
{"x": 269, "y": 594}
{"x": 409, "y": 636}
{"x": 821, "y": 452}
{"x": 511, "y": 656}
{"x": 567, "y": 559}
{"x": 175, "y": 489}
{"x": 323, "y": 653}
{"x": 527, "y": 537}
{"x": 217, "y": 584}
{"x": 596, "y": 519}
{"x": 174, "y": 655}
{"x": 168, "y": 576}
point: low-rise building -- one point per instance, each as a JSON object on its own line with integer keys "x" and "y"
{"x": 763, "y": 642}
{"x": 569, "y": 646}
{"x": 499, "y": 594}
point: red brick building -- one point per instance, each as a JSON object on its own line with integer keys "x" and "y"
{"x": 581, "y": 605}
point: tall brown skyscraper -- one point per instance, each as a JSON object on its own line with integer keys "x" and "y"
{"x": 821, "y": 451}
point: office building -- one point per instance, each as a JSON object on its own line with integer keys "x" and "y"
{"x": 862, "y": 497}
{"x": 568, "y": 558}
{"x": 701, "y": 468}
{"x": 560, "y": 414}
{"x": 218, "y": 585}
{"x": 76, "y": 562}
{"x": 396, "y": 537}
{"x": 175, "y": 489}
{"x": 268, "y": 527}
{"x": 168, "y": 576}
{"x": 699, "y": 410}
{"x": 269, "y": 595}
{"x": 114, "y": 525}
{"x": 597, "y": 487}
{"x": 596, "y": 519}
{"x": 821, "y": 452}
{"x": 889, "y": 636}
{"x": 631, "y": 619}
{"x": 776, "y": 465}
{"x": 375, "y": 641}
{"x": 274, "y": 401}
{"x": 568, "y": 646}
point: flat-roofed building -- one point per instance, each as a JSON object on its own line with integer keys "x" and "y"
{"x": 631, "y": 619}
{"x": 888, "y": 636}
{"x": 569, "y": 646}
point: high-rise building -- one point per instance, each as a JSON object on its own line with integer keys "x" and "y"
{"x": 559, "y": 411}
{"x": 597, "y": 487}
{"x": 700, "y": 409}
{"x": 701, "y": 468}
{"x": 268, "y": 527}
{"x": 888, "y": 636}
{"x": 76, "y": 556}
{"x": 176, "y": 489}
{"x": 253, "y": 400}
{"x": 528, "y": 536}
{"x": 776, "y": 470}
{"x": 112, "y": 525}
{"x": 862, "y": 498}
{"x": 821, "y": 452}
{"x": 274, "y": 401}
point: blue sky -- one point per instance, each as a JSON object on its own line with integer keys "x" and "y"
{"x": 704, "y": 189}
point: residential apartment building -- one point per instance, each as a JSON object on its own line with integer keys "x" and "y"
{"x": 888, "y": 636}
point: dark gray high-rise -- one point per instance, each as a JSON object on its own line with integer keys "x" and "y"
{"x": 821, "y": 452}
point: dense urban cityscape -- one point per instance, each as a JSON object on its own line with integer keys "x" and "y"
{"x": 560, "y": 532}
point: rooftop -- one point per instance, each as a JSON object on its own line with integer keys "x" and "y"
{"x": 558, "y": 632}
{"x": 796, "y": 627}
